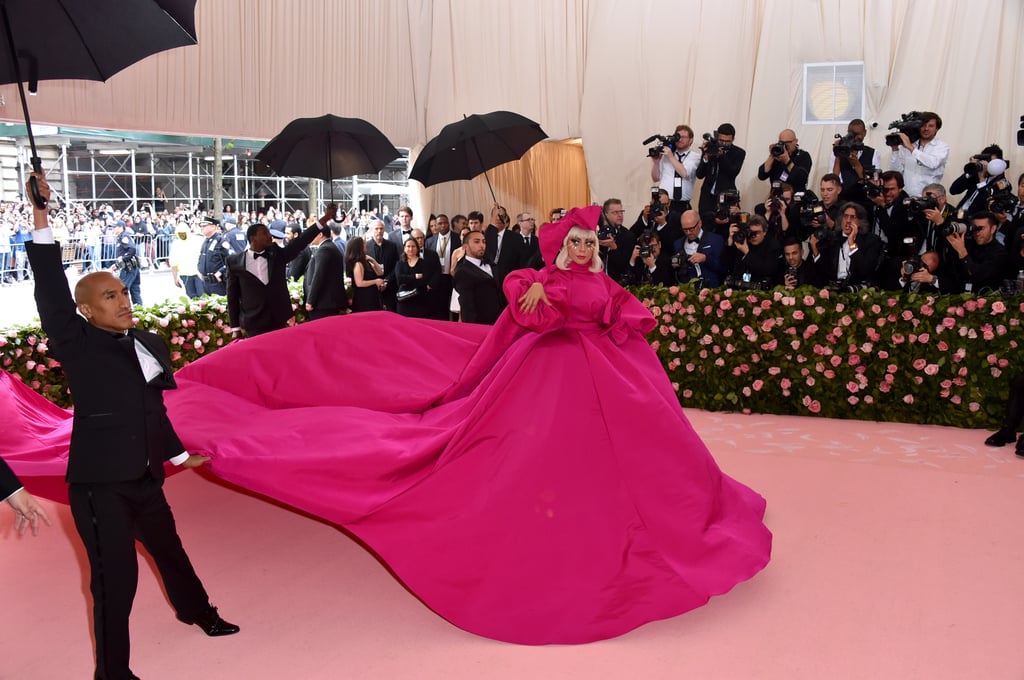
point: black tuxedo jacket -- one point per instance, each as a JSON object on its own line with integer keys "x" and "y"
{"x": 719, "y": 172}
{"x": 864, "y": 262}
{"x": 8, "y": 481}
{"x": 120, "y": 423}
{"x": 324, "y": 282}
{"x": 513, "y": 251}
{"x": 480, "y": 296}
{"x": 387, "y": 254}
{"x": 531, "y": 253}
{"x": 259, "y": 307}
{"x": 433, "y": 243}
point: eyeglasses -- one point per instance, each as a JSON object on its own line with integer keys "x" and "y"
{"x": 528, "y": 219}
{"x": 580, "y": 243}
{"x": 616, "y": 212}
{"x": 756, "y": 232}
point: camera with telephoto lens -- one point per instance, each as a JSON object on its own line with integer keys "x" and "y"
{"x": 604, "y": 231}
{"x": 912, "y": 265}
{"x": 741, "y": 220}
{"x": 726, "y": 200}
{"x": 745, "y": 281}
{"x": 679, "y": 259}
{"x": 1003, "y": 203}
{"x": 646, "y": 250}
{"x": 711, "y": 145}
{"x": 826, "y": 236}
{"x": 812, "y": 210}
{"x": 909, "y": 124}
{"x": 778, "y": 148}
{"x": 953, "y": 227}
{"x": 847, "y": 146}
{"x": 918, "y": 204}
{"x": 973, "y": 166}
{"x": 663, "y": 140}
{"x": 872, "y": 182}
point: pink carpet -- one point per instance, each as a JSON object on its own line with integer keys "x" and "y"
{"x": 897, "y": 554}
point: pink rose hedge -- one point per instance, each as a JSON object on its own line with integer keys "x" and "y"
{"x": 872, "y": 355}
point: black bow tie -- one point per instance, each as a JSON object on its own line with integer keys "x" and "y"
{"x": 406, "y": 233}
{"x": 265, "y": 253}
{"x": 693, "y": 240}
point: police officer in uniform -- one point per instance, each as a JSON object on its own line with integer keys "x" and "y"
{"x": 234, "y": 237}
{"x": 126, "y": 262}
{"x": 213, "y": 266}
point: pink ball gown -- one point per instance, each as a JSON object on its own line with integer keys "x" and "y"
{"x": 535, "y": 482}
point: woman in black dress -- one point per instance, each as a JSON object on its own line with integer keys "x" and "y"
{"x": 411, "y": 276}
{"x": 366, "y": 274}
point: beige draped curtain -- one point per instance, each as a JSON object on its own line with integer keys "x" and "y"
{"x": 609, "y": 72}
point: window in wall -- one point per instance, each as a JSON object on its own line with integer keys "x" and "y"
{"x": 833, "y": 92}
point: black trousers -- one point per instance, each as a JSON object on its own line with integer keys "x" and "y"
{"x": 110, "y": 517}
{"x": 1015, "y": 405}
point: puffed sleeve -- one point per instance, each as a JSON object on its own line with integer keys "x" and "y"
{"x": 624, "y": 313}
{"x": 544, "y": 317}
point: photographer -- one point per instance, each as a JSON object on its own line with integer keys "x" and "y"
{"x": 981, "y": 179}
{"x": 922, "y": 161}
{"x": 983, "y": 263}
{"x": 830, "y": 189}
{"x": 780, "y": 211}
{"x": 720, "y": 163}
{"x": 798, "y": 272}
{"x": 786, "y": 162}
{"x": 616, "y": 242}
{"x": 891, "y": 219}
{"x": 644, "y": 220}
{"x": 650, "y": 264}
{"x": 1009, "y": 212}
{"x": 126, "y": 264}
{"x": 852, "y": 155}
{"x": 698, "y": 255}
{"x": 760, "y": 258}
{"x": 852, "y": 261}
{"x": 915, "y": 274}
{"x": 675, "y": 170}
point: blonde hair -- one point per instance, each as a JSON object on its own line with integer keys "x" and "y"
{"x": 562, "y": 260}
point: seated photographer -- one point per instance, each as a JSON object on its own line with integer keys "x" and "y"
{"x": 616, "y": 241}
{"x": 650, "y": 264}
{"x": 675, "y": 168}
{"x": 852, "y": 155}
{"x": 778, "y": 210}
{"x": 915, "y": 274}
{"x": 759, "y": 257}
{"x": 798, "y": 272}
{"x": 852, "y": 260}
{"x": 982, "y": 262}
{"x": 720, "y": 164}
{"x": 699, "y": 254}
{"x": 1014, "y": 413}
{"x": 981, "y": 179}
{"x": 891, "y": 219}
{"x": 786, "y": 162}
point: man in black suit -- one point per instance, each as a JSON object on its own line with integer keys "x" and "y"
{"x": 27, "y": 512}
{"x": 120, "y": 438}
{"x": 531, "y": 250}
{"x": 891, "y": 221}
{"x": 324, "y": 282}
{"x": 480, "y": 297}
{"x": 444, "y": 243}
{"x": 852, "y": 260}
{"x": 258, "y": 297}
{"x": 720, "y": 163}
{"x": 505, "y": 248}
{"x": 850, "y": 165}
{"x": 385, "y": 252}
{"x": 403, "y": 231}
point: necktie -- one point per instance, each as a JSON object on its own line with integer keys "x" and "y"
{"x": 261, "y": 254}
{"x": 443, "y": 253}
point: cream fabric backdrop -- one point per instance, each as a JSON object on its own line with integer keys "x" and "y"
{"x": 611, "y": 72}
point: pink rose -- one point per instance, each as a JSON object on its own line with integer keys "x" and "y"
{"x": 725, "y": 305}
{"x": 853, "y": 400}
{"x": 808, "y": 300}
{"x": 919, "y": 364}
{"x": 908, "y": 399}
{"x": 785, "y": 383}
{"x": 956, "y": 399}
{"x": 852, "y": 387}
{"x": 798, "y": 315}
{"x": 836, "y": 360}
{"x": 774, "y": 370}
{"x": 758, "y": 384}
{"x": 814, "y": 406}
{"x": 931, "y": 369}
{"x": 973, "y": 407}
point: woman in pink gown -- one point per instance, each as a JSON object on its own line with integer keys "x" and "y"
{"x": 535, "y": 482}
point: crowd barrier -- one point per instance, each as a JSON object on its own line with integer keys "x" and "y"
{"x": 88, "y": 256}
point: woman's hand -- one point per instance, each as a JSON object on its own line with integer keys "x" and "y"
{"x": 534, "y": 294}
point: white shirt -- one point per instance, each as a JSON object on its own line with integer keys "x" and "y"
{"x": 690, "y": 160}
{"x": 480, "y": 263}
{"x": 923, "y": 166}
{"x": 257, "y": 266}
{"x": 442, "y": 251}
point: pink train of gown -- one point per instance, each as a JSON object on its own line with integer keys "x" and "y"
{"x": 535, "y": 483}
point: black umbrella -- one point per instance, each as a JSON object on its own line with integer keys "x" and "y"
{"x": 327, "y": 148}
{"x": 85, "y": 40}
{"x": 474, "y": 145}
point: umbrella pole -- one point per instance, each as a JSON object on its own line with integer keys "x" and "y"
{"x": 477, "y": 149}
{"x": 37, "y": 163}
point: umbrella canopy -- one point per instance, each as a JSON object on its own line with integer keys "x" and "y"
{"x": 474, "y": 145}
{"x": 85, "y": 40}
{"x": 327, "y": 148}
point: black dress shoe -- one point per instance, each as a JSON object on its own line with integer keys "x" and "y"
{"x": 1001, "y": 437}
{"x": 1020, "y": 446}
{"x": 213, "y": 625}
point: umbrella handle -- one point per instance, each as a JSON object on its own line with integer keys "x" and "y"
{"x": 33, "y": 184}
